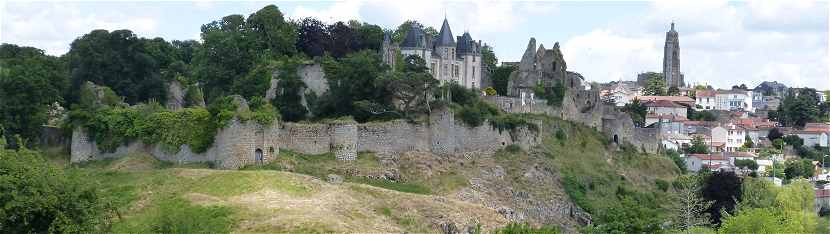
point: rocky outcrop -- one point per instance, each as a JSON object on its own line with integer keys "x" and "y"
{"x": 175, "y": 95}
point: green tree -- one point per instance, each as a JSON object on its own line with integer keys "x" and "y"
{"x": 637, "y": 111}
{"x": 39, "y": 198}
{"x": 30, "y": 81}
{"x": 802, "y": 168}
{"x": 131, "y": 66}
{"x": 748, "y": 142}
{"x": 724, "y": 190}
{"x": 673, "y": 91}
{"x": 689, "y": 207}
{"x": 400, "y": 33}
{"x": 799, "y": 108}
{"x": 269, "y": 33}
{"x": 352, "y": 79}
{"x": 488, "y": 57}
{"x": 656, "y": 85}
{"x": 698, "y": 146}
{"x": 369, "y": 36}
{"x": 500, "y": 78}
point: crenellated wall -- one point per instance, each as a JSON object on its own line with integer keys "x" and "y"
{"x": 239, "y": 143}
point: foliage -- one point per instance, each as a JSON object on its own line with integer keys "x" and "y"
{"x": 689, "y": 209}
{"x": 352, "y": 79}
{"x": 637, "y": 111}
{"x": 792, "y": 211}
{"x": 524, "y": 228}
{"x": 694, "y": 114}
{"x": 500, "y": 77}
{"x": 553, "y": 95}
{"x": 628, "y": 216}
{"x": 748, "y": 142}
{"x": 793, "y": 140}
{"x": 723, "y": 189}
{"x": 131, "y": 66}
{"x": 289, "y": 96}
{"x": 801, "y": 168}
{"x": 488, "y": 57}
{"x": 656, "y": 85}
{"x": 678, "y": 161}
{"x": 746, "y": 164}
{"x": 400, "y": 33}
{"x": 799, "y": 107}
{"x": 698, "y": 146}
{"x": 490, "y": 91}
{"x": 673, "y": 91}
{"x": 411, "y": 87}
{"x": 39, "y": 198}
{"x": 774, "y": 134}
{"x": 30, "y": 81}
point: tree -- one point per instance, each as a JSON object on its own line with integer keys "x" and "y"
{"x": 637, "y": 111}
{"x": 802, "y": 168}
{"x": 746, "y": 164}
{"x": 39, "y": 198}
{"x": 30, "y": 82}
{"x": 411, "y": 87}
{"x": 488, "y": 58}
{"x": 269, "y": 33}
{"x": 656, "y": 85}
{"x": 312, "y": 39}
{"x": 748, "y": 142}
{"x": 131, "y": 66}
{"x": 400, "y": 33}
{"x": 673, "y": 91}
{"x": 226, "y": 55}
{"x": 689, "y": 209}
{"x": 369, "y": 36}
{"x": 724, "y": 190}
{"x": 500, "y": 78}
{"x": 774, "y": 134}
{"x": 799, "y": 108}
{"x": 352, "y": 79}
{"x": 741, "y": 87}
{"x": 343, "y": 40}
{"x": 698, "y": 146}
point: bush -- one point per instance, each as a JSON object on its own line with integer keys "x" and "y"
{"x": 39, "y": 198}
{"x": 663, "y": 185}
{"x": 513, "y": 148}
{"x": 524, "y": 228}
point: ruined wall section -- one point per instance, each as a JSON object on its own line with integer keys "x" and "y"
{"x": 306, "y": 138}
{"x": 393, "y": 137}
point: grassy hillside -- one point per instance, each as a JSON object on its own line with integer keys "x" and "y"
{"x": 411, "y": 192}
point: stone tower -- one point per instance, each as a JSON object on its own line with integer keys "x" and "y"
{"x": 671, "y": 59}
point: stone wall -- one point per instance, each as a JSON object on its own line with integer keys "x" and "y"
{"x": 246, "y": 143}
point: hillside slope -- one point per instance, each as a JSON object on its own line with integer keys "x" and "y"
{"x": 573, "y": 175}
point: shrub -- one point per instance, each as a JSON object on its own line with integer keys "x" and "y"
{"x": 39, "y": 198}
{"x": 662, "y": 184}
{"x": 513, "y": 148}
{"x": 524, "y": 228}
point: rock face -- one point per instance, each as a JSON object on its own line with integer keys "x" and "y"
{"x": 175, "y": 95}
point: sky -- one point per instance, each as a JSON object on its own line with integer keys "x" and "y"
{"x": 721, "y": 43}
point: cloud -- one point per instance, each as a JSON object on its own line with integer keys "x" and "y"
{"x": 720, "y": 44}
{"x": 52, "y": 26}
{"x": 338, "y": 11}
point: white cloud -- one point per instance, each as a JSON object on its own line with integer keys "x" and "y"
{"x": 339, "y": 11}
{"x": 52, "y": 26}
{"x": 720, "y": 44}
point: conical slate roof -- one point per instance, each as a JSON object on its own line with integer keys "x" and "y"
{"x": 415, "y": 37}
{"x": 445, "y": 37}
{"x": 466, "y": 45}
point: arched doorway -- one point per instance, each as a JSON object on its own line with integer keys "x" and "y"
{"x": 616, "y": 139}
{"x": 258, "y": 155}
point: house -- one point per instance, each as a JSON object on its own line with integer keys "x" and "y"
{"x": 734, "y": 99}
{"x": 732, "y": 156}
{"x": 719, "y": 136}
{"x": 696, "y": 162}
{"x": 735, "y": 137}
{"x": 682, "y": 100}
{"x": 676, "y": 141}
{"x": 664, "y": 111}
{"x": 705, "y": 100}
{"x": 812, "y": 138}
{"x": 621, "y": 93}
{"x": 764, "y": 165}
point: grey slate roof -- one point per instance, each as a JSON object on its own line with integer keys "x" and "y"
{"x": 445, "y": 37}
{"x": 415, "y": 38}
{"x": 466, "y": 45}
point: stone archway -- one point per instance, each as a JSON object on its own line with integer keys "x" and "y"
{"x": 616, "y": 139}
{"x": 258, "y": 155}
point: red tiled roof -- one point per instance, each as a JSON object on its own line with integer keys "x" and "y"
{"x": 662, "y": 103}
{"x": 710, "y": 157}
{"x": 739, "y": 154}
{"x": 681, "y": 99}
{"x": 705, "y": 93}
{"x": 817, "y": 127}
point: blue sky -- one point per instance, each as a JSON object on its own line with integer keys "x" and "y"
{"x": 722, "y": 43}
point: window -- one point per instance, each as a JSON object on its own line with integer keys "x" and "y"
{"x": 474, "y": 58}
{"x": 474, "y": 72}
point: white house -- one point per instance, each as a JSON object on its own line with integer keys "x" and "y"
{"x": 735, "y": 137}
{"x": 695, "y": 162}
{"x": 705, "y": 100}
{"x": 812, "y": 138}
{"x": 735, "y": 99}
{"x": 719, "y": 135}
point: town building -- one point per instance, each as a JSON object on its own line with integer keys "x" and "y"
{"x": 735, "y": 137}
{"x": 671, "y": 59}
{"x": 448, "y": 58}
{"x": 729, "y": 100}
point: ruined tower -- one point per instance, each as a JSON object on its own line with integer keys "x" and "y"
{"x": 671, "y": 59}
